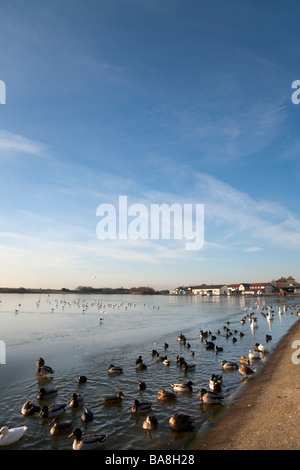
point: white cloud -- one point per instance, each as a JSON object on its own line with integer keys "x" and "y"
{"x": 12, "y": 144}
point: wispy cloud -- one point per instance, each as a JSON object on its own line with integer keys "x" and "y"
{"x": 13, "y": 144}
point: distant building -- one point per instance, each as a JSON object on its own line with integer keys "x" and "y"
{"x": 257, "y": 288}
{"x": 288, "y": 285}
{"x": 215, "y": 289}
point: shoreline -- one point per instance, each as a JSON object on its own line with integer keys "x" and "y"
{"x": 265, "y": 415}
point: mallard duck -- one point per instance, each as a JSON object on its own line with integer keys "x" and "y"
{"x": 44, "y": 393}
{"x": 163, "y": 395}
{"x": 87, "y": 442}
{"x": 115, "y": 369}
{"x": 55, "y": 410}
{"x": 160, "y": 358}
{"x": 59, "y": 428}
{"x": 81, "y": 379}
{"x": 227, "y": 365}
{"x": 140, "y": 366}
{"x": 215, "y": 383}
{"x": 139, "y": 360}
{"x": 9, "y": 436}
{"x": 181, "y": 337}
{"x": 87, "y": 415}
{"x": 244, "y": 360}
{"x": 76, "y": 401}
{"x": 182, "y": 387}
{"x": 188, "y": 367}
{"x": 209, "y": 397}
{"x": 141, "y": 386}
{"x": 29, "y": 408}
{"x": 245, "y": 371}
{"x": 138, "y": 407}
{"x": 114, "y": 399}
{"x": 150, "y": 422}
{"x": 42, "y": 369}
{"x": 181, "y": 422}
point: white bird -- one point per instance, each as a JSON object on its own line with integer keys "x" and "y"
{"x": 9, "y": 436}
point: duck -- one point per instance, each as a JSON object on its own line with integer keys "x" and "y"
{"x": 215, "y": 383}
{"x": 253, "y": 355}
{"x": 81, "y": 379}
{"x": 227, "y": 365}
{"x": 44, "y": 393}
{"x": 186, "y": 367}
{"x": 55, "y": 410}
{"x": 87, "y": 415}
{"x": 218, "y": 349}
{"x": 29, "y": 408}
{"x": 138, "y": 407}
{"x": 76, "y": 401}
{"x": 183, "y": 387}
{"x": 150, "y": 422}
{"x": 59, "y": 428}
{"x": 42, "y": 369}
{"x": 268, "y": 338}
{"x": 181, "y": 422}
{"x": 140, "y": 366}
{"x": 9, "y": 436}
{"x": 166, "y": 362}
{"x": 245, "y": 360}
{"x": 160, "y": 358}
{"x": 141, "y": 385}
{"x": 209, "y": 397}
{"x": 87, "y": 442}
{"x": 209, "y": 344}
{"x": 245, "y": 371}
{"x": 115, "y": 369}
{"x": 139, "y": 360}
{"x": 260, "y": 348}
{"x": 164, "y": 395}
{"x": 114, "y": 399}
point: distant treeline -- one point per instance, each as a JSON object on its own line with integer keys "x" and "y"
{"x": 85, "y": 290}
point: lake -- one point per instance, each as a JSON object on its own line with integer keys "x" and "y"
{"x": 66, "y": 331}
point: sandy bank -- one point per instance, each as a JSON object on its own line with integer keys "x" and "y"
{"x": 265, "y": 416}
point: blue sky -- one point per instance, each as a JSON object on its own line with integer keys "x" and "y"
{"x": 164, "y": 101}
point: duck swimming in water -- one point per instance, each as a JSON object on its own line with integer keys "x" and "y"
{"x": 209, "y": 397}
{"x": 87, "y": 442}
{"x": 115, "y": 369}
{"x": 150, "y": 422}
{"x": 163, "y": 395}
{"x": 42, "y": 369}
{"x": 114, "y": 399}
{"x": 76, "y": 401}
{"x": 138, "y": 407}
{"x": 87, "y": 416}
{"x": 181, "y": 422}
{"x": 45, "y": 393}
{"x": 227, "y": 365}
{"x": 29, "y": 408}
{"x": 182, "y": 387}
{"x": 9, "y": 436}
{"x": 58, "y": 428}
{"x": 55, "y": 410}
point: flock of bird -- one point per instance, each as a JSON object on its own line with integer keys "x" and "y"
{"x": 179, "y": 421}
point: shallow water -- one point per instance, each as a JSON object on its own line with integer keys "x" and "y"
{"x": 65, "y": 331}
